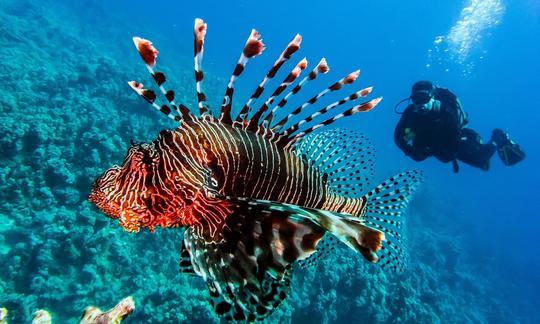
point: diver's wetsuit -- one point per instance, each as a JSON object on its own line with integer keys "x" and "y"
{"x": 440, "y": 132}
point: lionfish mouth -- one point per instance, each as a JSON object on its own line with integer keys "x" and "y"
{"x": 130, "y": 221}
{"x": 98, "y": 196}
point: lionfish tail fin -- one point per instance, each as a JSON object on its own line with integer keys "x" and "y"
{"x": 383, "y": 211}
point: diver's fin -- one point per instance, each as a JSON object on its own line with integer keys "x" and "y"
{"x": 511, "y": 153}
{"x": 344, "y": 156}
{"x": 384, "y": 209}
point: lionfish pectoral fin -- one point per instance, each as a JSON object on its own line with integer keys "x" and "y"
{"x": 250, "y": 310}
{"x": 326, "y": 245}
{"x": 347, "y": 228}
{"x": 248, "y": 269}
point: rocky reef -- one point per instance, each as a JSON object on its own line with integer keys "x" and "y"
{"x": 94, "y": 315}
{"x": 91, "y": 315}
{"x": 67, "y": 114}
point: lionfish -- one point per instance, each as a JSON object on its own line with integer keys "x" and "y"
{"x": 259, "y": 190}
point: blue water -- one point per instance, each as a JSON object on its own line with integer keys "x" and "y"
{"x": 66, "y": 114}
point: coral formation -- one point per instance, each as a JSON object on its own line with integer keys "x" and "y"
{"x": 42, "y": 317}
{"x": 3, "y": 315}
{"x": 93, "y": 315}
{"x": 67, "y": 114}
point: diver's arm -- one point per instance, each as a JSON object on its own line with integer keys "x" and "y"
{"x": 417, "y": 154}
{"x": 399, "y": 136}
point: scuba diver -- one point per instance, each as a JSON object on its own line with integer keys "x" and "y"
{"x": 434, "y": 125}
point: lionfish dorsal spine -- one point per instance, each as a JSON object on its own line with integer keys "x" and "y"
{"x": 290, "y": 78}
{"x": 150, "y": 97}
{"x": 349, "y": 79}
{"x": 199, "y": 32}
{"x": 291, "y": 48}
{"x": 322, "y": 67}
{"x": 363, "y": 107}
{"x": 254, "y": 47}
{"x": 264, "y": 121}
{"x": 358, "y": 94}
{"x": 149, "y": 54}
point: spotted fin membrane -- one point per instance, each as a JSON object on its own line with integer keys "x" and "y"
{"x": 344, "y": 156}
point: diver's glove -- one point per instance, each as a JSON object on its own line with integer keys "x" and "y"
{"x": 509, "y": 151}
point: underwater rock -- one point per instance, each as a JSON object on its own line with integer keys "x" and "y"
{"x": 93, "y": 315}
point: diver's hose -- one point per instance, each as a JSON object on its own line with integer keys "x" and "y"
{"x": 398, "y": 104}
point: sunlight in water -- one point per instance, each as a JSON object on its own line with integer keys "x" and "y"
{"x": 462, "y": 43}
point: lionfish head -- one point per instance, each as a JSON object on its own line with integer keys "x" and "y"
{"x": 128, "y": 192}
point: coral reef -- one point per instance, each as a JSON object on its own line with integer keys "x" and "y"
{"x": 93, "y": 315}
{"x": 42, "y": 317}
{"x": 67, "y": 114}
{"x": 3, "y": 315}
